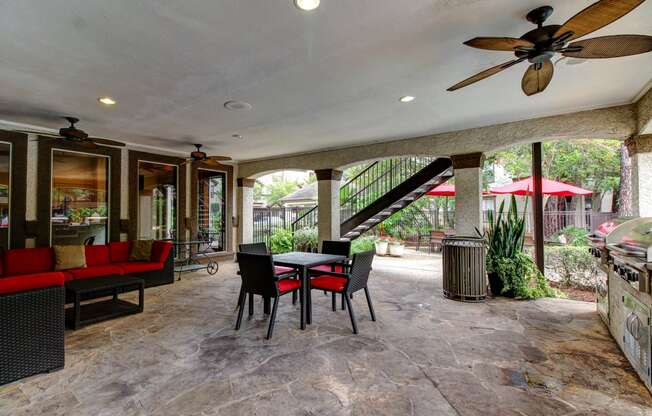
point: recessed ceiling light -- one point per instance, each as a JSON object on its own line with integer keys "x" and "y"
{"x": 406, "y": 99}
{"x": 237, "y": 105}
{"x": 106, "y": 100}
{"x": 307, "y": 5}
{"x": 237, "y": 136}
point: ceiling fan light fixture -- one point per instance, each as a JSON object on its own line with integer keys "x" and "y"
{"x": 106, "y": 100}
{"x": 307, "y": 5}
{"x": 407, "y": 99}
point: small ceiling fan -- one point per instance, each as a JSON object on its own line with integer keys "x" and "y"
{"x": 540, "y": 45}
{"x": 75, "y": 135}
{"x": 199, "y": 156}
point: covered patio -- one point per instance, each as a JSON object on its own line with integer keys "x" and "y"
{"x": 132, "y": 135}
{"x": 425, "y": 356}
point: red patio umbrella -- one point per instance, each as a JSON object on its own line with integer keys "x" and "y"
{"x": 442, "y": 190}
{"x": 550, "y": 187}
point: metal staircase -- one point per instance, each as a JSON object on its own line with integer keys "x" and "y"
{"x": 382, "y": 189}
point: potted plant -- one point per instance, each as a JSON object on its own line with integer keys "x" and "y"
{"x": 511, "y": 272}
{"x": 396, "y": 247}
{"x": 382, "y": 245}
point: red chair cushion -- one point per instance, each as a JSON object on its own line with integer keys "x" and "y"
{"x": 139, "y": 266}
{"x": 28, "y": 261}
{"x": 97, "y": 255}
{"x": 22, "y": 283}
{"x": 282, "y": 269}
{"x": 95, "y": 271}
{"x": 331, "y": 283}
{"x": 288, "y": 285}
{"x": 160, "y": 251}
{"x": 328, "y": 268}
{"x": 120, "y": 251}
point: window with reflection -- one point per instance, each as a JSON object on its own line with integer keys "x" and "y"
{"x": 5, "y": 190}
{"x": 211, "y": 207}
{"x": 80, "y": 198}
{"x": 157, "y": 201}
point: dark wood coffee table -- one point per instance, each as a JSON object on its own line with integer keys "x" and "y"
{"x": 89, "y": 313}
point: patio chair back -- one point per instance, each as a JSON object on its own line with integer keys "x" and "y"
{"x": 360, "y": 270}
{"x": 254, "y": 248}
{"x": 338, "y": 248}
{"x": 257, "y": 273}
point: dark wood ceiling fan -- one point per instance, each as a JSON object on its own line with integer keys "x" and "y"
{"x": 75, "y": 135}
{"x": 199, "y": 156}
{"x": 540, "y": 45}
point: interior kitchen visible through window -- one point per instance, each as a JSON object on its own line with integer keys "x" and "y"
{"x": 157, "y": 201}
{"x": 5, "y": 178}
{"x": 79, "y": 198}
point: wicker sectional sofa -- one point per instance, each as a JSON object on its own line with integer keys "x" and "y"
{"x": 32, "y": 298}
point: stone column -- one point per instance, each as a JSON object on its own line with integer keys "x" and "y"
{"x": 640, "y": 151}
{"x": 245, "y": 210}
{"x": 468, "y": 193}
{"x": 328, "y": 198}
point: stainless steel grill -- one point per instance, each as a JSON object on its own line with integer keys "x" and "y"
{"x": 630, "y": 249}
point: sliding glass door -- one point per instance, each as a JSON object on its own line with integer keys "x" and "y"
{"x": 5, "y": 194}
{"x": 80, "y": 198}
{"x": 157, "y": 201}
{"x": 211, "y": 215}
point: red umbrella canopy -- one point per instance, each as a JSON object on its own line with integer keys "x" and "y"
{"x": 442, "y": 190}
{"x": 526, "y": 187}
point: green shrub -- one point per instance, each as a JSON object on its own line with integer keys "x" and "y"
{"x": 572, "y": 236}
{"x": 363, "y": 244}
{"x": 281, "y": 241}
{"x": 520, "y": 276}
{"x": 572, "y": 266}
{"x": 306, "y": 239}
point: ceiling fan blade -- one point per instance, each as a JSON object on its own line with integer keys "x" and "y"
{"x": 219, "y": 158}
{"x": 485, "y": 74}
{"x": 610, "y": 47}
{"x": 499, "y": 44}
{"x": 597, "y": 16}
{"x": 107, "y": 142}
{"x": 537, "y": 77}
{"x": 88, "y": 144}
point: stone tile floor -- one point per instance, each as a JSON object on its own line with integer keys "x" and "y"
{"x": 425, "y": 356}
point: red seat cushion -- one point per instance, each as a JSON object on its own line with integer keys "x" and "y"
{"x": 119, "y": 251}
{"x": 332, "y": 283}
{"x": 22, "y": 283}
{"x": 288, "y": 285}
{"x": 283, "y": 269}
{"x": 95, "y": 271}
{"x": 28, "y": 261}
{"x": 160, "y": 251}
{"x": 139, "y": 266}
{"x": 328, "y": 268}
{"x": 97, "y": 255}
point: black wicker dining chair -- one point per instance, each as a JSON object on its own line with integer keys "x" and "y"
{"x": 338, "y": 248}
{"x": 347, "y": 284}
{"x": 261, "y": 248}
{"x": 258, "y": 278}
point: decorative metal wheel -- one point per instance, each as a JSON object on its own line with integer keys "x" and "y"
{"x": 212, "y": 267}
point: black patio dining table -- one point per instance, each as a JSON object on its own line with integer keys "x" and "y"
{"x": 302, "y": 262}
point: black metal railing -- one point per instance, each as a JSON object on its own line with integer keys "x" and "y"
{"x": 367, "y": 186}
{"x": 268, "y": 220}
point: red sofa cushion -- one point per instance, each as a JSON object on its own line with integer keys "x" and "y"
{"x": 97, "y": 255}
{"x": 139, "y": 266}
{"x": 95, "y": 271}
{"x": 22, "y": 283}
{"x": 328, "y": 268}
{"x": 288, "y": 285}
{"x": 120, "y": 251}
{"x": 160, "y": 251}
{"x": 332, "y": 283}
{"x": 28, "y": 261}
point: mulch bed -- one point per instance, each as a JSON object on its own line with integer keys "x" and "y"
{"x": 585, "y": 295}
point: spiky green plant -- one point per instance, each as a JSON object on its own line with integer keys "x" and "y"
{"x": 506, "y": 233}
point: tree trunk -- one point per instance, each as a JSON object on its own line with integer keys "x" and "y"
{"x": 625, "y": 190}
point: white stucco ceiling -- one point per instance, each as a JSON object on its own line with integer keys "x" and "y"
{"x": 316, "y": 80}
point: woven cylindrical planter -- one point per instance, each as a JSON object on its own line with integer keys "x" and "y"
{"x": 465, "y": 277}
